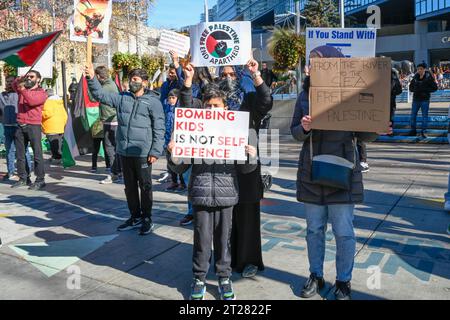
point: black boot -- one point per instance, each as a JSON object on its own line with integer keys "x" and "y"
{"x": 37, "y": 186}
{"x": 312, "y": 286}
{"x": 21, "y": 183}
{"x": 343, "y": 290}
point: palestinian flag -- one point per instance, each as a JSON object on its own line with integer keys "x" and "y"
{"x": 219, "y": 44}
{"x": 69, "y": 147}
{"x": 23, "y": 52}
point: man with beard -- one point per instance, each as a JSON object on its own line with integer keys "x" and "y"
{"x": 29, "y": 119}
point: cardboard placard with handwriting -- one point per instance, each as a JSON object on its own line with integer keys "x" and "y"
{"x": 350, "y": 94}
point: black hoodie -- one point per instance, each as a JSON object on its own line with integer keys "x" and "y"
{"x": 422, "y": 87}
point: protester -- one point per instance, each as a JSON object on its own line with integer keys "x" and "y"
{"x": 140, "y": 140}
{"x": 97, "y": 139}
{"x": 169, "y": 110}
{"x": 174, "y": 77}
{"x": 422, "y": 85}
{"x": 73, "y": 90}
{"x": 8, "y": 111}
{"x": 213, "y": 192}
{"x": 396, "y": 89}
{"x": 246, "y": 91}
{"x": 108, "y": 116}
{"x": 268, "y": 76}
{"x": 322, "y": 203}
{"x": 29, "y": 119}
{"x": 54, "y": 119}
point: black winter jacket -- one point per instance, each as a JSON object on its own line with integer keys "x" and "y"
{"x": 422, "y": 88}
{"x": 338, "y": 143}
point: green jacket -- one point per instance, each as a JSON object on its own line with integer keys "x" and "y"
{"x": 107, "y": 112}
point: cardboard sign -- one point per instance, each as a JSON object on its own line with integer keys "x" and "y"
{"x": 352, "y": 42}
{"x": 210, "y": 134}
{"x": 174, "y": 41}
{"x": 350, "y": 94}
{"x": 91, "y": 17}
{"x": 221, "y": 43}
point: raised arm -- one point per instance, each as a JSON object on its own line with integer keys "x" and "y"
{"x": 110, "y": 98}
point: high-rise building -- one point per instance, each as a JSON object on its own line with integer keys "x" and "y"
{"x": 415, "y": 30}
{"x": 212, "y": 15}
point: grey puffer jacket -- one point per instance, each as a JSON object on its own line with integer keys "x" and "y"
{"x": 141, "y": 121}
{"x": 338, "y": 143}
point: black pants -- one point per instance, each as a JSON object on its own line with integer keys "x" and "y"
{"x": 246, "y": 236}
{"x": 109, "y": 143}
{"x": 55, "y": 145}
{"x": 362, "y": 151}
{"x": 96, "y": 144}
{"x": 212, "y": 225}
{"x": 137, "y": 174}
{"x": 24, "y": 135}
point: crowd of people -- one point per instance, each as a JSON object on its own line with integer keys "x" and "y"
{"x": 224, "y": 198}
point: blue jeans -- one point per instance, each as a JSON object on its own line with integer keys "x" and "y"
{"x": 186, "y": 177}
{"x": 416, "y": 106}
{"x": 341, "y": 217}
{"x": 11, "y": 150}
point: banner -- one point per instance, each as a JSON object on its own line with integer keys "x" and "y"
{"x": 170, "y": 40}
{"x": 221, "y": 43}
{"x": 210, "y": 134}
{"x": 44, "y": 65}
{"x": 91, "y": 17}
{"x": 352, "y": 42}
{"x": 350, "y": 94}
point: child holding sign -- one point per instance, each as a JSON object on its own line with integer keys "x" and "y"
{"x": 213, "y": 191}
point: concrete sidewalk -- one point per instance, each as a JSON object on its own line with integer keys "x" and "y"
{"x": 49, "y": 237}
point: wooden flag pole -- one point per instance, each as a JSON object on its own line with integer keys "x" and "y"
{"x": 89, "y": 50}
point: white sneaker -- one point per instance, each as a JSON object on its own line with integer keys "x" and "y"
{"x": 447, "y": 206}
{"x": 108, "y": 180}
{"x": 164, "y": 177}
{"x": 364, "y": 166}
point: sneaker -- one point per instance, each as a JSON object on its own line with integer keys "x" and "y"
{"x": 21, "y": 183}
{"x": 146, "y": 227}
{"x": 226, "y": 289}
{"x": 37, "y": 186}
{"x": 343, "y": 290}
{"x": 249, "y": 271}
{"x": 13, "y": 177}
{"x": 447, "y": 205}
{"x": 187, "y": 220}
{"x": 117, "y": 178}
{"x": 364, "y": 166}
{"x": 312, "y": 286}
{"x": 164, "y": 177}
{"x": 94, "y": 170}
{"x": 110, "y": 179}
{"x": 198, "y": 290}
{"x": 172, "y": 187}
{"x": 56, "y": 162}
{"x": 131, "y": 223}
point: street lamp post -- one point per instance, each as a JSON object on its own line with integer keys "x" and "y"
{"x": 342, "y": 13}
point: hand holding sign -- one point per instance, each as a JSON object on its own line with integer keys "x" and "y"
{"x": 174, "y": 57}
{"x": 89, "y": 71}
{"x": 306, "y": 123}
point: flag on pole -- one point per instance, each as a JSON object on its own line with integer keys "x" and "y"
{"x": 69, "y": 148}
{"x": 23, "y": 52}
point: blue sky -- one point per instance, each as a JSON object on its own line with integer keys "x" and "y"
{"x": 177, "y": 13}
